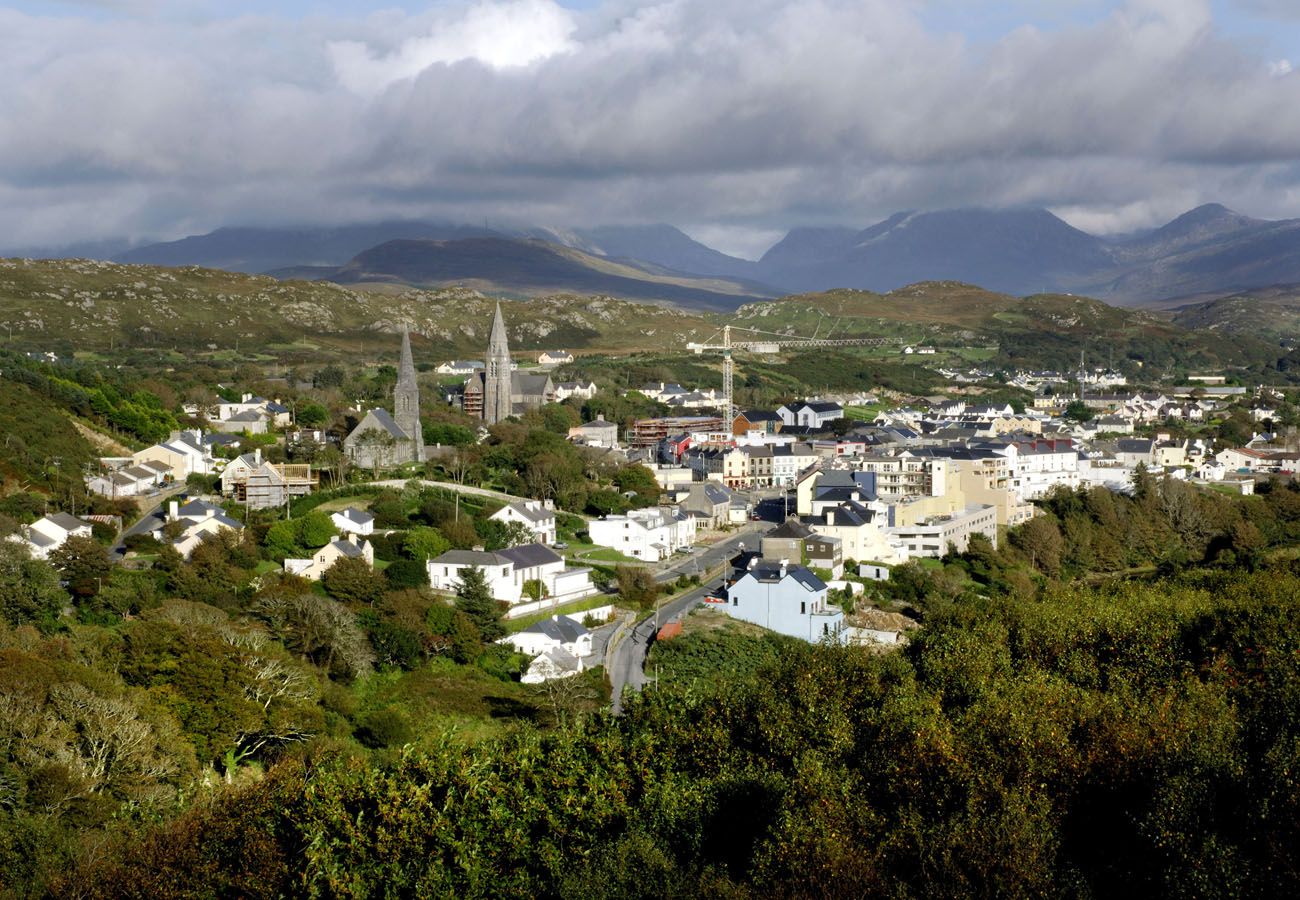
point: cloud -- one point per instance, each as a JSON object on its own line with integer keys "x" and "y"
{"x": 498, "y": 35}
{"x": 740, "y": 117}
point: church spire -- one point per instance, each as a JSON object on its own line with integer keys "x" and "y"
{"x": 498, "y": 346}
{"x": 498, "y": 384}
{"x": 406, "y": 369}
{"x": 406, "y": 400}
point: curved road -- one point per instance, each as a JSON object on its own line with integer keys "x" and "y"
{"x": 626, "y": 665}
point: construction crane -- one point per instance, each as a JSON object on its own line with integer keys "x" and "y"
{"x": 783, "y": 341}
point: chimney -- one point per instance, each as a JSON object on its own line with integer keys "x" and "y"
{"x": 600, "y": 417}
{"x": 785, "y": 565}
{"x": 173, "y": 510}
{"x": 257, "y": 456}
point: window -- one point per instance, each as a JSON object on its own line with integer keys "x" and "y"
{"x": 735, "y": 601}
{"x": 803, "y": 607}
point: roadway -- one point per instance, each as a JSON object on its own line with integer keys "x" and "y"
{"x": 626, "y": 665}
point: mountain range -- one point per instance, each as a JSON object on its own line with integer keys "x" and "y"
{"x": 1206, "y": 253}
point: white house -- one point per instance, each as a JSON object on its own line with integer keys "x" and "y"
{"x": 534, "y": 515}
{"x": 556, "y": 633}
{"x": 862, "y": 533}
{"x": 507, "y": 571}
{"x": 460, "y": 367}
{"x": 810, "y": 414}
{"x": 321, "y": 560}
{"x": 649, "y": 535}
{"x": 51, "y": 532}
{"x": 353, "y": 521}
{"x": 446, "y": 570}
{"x": 583, "y": 390}
{"x": 555, "y": 358}
{"x": 787, "y": 599}
{"x": 199, "y": 520}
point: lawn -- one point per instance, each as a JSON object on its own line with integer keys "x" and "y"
{"x": 603, "y": 554}
{"x": 576, "y": 606}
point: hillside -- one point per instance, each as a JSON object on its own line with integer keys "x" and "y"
{"x": 92, "y": 307}
{"x": 1048, "y": 330}
{"x": 1266, "y": 313}
{"x": 67, "y": 305}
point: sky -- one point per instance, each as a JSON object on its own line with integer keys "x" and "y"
{"x": 733, "y": 119}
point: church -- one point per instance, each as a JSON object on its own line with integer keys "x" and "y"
{"x": 499, "y": 392}
{"x": 380, "y": 439}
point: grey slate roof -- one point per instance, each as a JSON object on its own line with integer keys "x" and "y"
{"x": 770, "y": 573}
{"x": 791, "y": 528}
{"x": 558, "y": 628}
{"x": 385, "y": 420}
{"x": 478, "y": 558}
{"x": 532, "y": 515}
{"x": 357, "y": 516}
{"x": 67, "y": 522}
{"x": 527, "y": 556}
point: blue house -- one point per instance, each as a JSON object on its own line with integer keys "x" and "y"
{"x": 787, "y": 599}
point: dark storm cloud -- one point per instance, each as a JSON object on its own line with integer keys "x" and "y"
{"x": 720, "y": 113}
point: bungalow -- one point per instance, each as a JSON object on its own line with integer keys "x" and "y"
{"x": 508, "y": 571}
{"x": 460, "y": 367}
{"x": 51, "y": 532}
{"x": 535, "y": 515}
{"x": 596, "y": 434}
{"x": 323, "y": 559}
{"x": 353, "y": 521}
{"x": 810, "y": 414}
{"x": 560, "y": 640}
{"x": 787, "y": 599}
{"x": 555, "y": 358}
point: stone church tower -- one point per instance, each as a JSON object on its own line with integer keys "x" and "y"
{"x": 406, "y": 400}
{"x": 497, "y": 386}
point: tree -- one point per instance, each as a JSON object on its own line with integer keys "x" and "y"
{"x": 84, "y": 564}
{"x": 315, "y": 529}
{"x": 29, "y": 589}
{"x": 474, "y": 598}
{"x": 1078, "y": 411}
{"x": 404, "y": 573}
{"x": 319, "y": 630}
{"x": 312, "y": 415}
{"x": 423, "y": 543}
{"x": 637, "y": 585}
{"x": 351, "y": 580}
{"x": 281, "y": 540}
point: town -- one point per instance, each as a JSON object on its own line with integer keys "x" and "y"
{"x": 790, "y": 517}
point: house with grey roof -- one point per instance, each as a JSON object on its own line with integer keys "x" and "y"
{"x": 709, "y": 502}
{"x": 536, "y": 515}
{"x": 200, "y": 521}
{"x": 787, "y": 599}
{"x": 353, "y": 521}
{"x": 508, "y": 571}
{"x": 323, "y": 559}
{"x": 51, "y": 532}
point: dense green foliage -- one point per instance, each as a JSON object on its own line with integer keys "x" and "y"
{"x": 1085, "y": 743}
